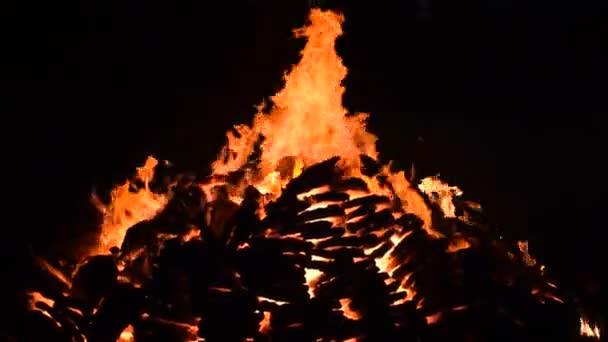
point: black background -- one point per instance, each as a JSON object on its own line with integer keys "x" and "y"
{"x": 503, "y": 98}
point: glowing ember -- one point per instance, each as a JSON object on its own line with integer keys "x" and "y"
{"x": 127, "y": 335}
{"x": 265, "y": 323}
{"x": 347, "y": 311}
{"x": 528, "y": 259}
{"x": 458, "y": 244}
{"x": 312, "y": 276}
{"x": 36, "y": 297}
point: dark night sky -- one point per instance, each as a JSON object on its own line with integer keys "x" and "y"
{"x": 506, "y": 95}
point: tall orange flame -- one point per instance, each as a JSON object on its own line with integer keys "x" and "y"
{"x": 308, "y": 120}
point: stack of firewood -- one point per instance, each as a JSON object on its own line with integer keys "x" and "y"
{"x": 307, "y": 271}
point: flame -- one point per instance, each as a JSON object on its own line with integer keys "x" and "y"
{"x": 524, "y": 248}
{"x": 589, "y": 331}
{"x": 265, "y": 323}
{"x": 309, "y": 124}
{"x": 444, "y": 192}
{"x": 308, "y": 120}
{"x": 413, "y": 203}
{"x": 347, "y": 311}
{"x": 434, "y": 318}
{"x": 37, "y": 297}
{"x": 457, "y": 244}
{"x": 127, "y": 335}
{"x": 128, "y": 208}
{"x": 312, "y": 276}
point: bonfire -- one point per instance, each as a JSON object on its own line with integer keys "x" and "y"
{"x": 301, "y": 233}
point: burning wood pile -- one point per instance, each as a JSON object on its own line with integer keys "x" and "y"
{"x": 300, "y": 234}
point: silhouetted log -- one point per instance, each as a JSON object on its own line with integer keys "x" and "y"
{"x": 280, "y": 244}
{"x": 350, "y": 184}
{"x": 36, "y": 327}
{"x": 367, "y": 264}
{"x": 116, "y": 312}
{"x": 330, "y": 196}
{"x": 360, "y": 211}
{"x": 369, "y": 166}
{"x": 141, "y": 235}
{"x": 381, "y": 250}
{"x": 150, "y": 330}
{"x": 320, "y": 232}
{"x": 68, "y": 320}
{"x": 239, "y": 309}
{"x": 409, "y": 222}
{"x": 375, "y": 221}
{"x": 350, "y": 241}
{"x": 344, "y": 251}
{"x": 222, "y": 210}
{"x": 315, "y": 176}
{"x": 283, "y": 211}
{"x": 245, "y": 221}
{"x": 94, "y": 280}
{"x": 187, "y": 201}
{"x": 317, "y": 229}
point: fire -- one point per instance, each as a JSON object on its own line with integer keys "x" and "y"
{"x": 347, "y": 311}
{"x": 37, "y": 297}
{"x": 265, "y": 323}
{"x": 441, "y": 193}
{"x": 458, "y": 244}
{"x": 128, "y": 208}
{"x": 528, "y": 259}
{"x": 588, "y": 330}
{"x": 312, "y": 277}
{"x": 308, "y": 120}
{"x": 307, "y": 125}
{"x": 127, "y": 335}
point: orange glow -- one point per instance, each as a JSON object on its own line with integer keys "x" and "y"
{"x": 54, "y": 272}
{"x": 434, "y": 318}
{"x": 307, "y": 125}
{"x": 36, "y": 297}
{"x": 347, "y": 311}
{"x": 127, "y": 335}
{"x": 458, "y": 244}
{"x": 265, "y": 323}
{"x": 312, "y": 277}
{"x": 528, "y": 259}
{"x": 128, "y": 208}
{"x": 589, "y": 331}
{"x": 445, "y": 193}
{"x": 413, "y": 203}
{"x": 308, "y": 120}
